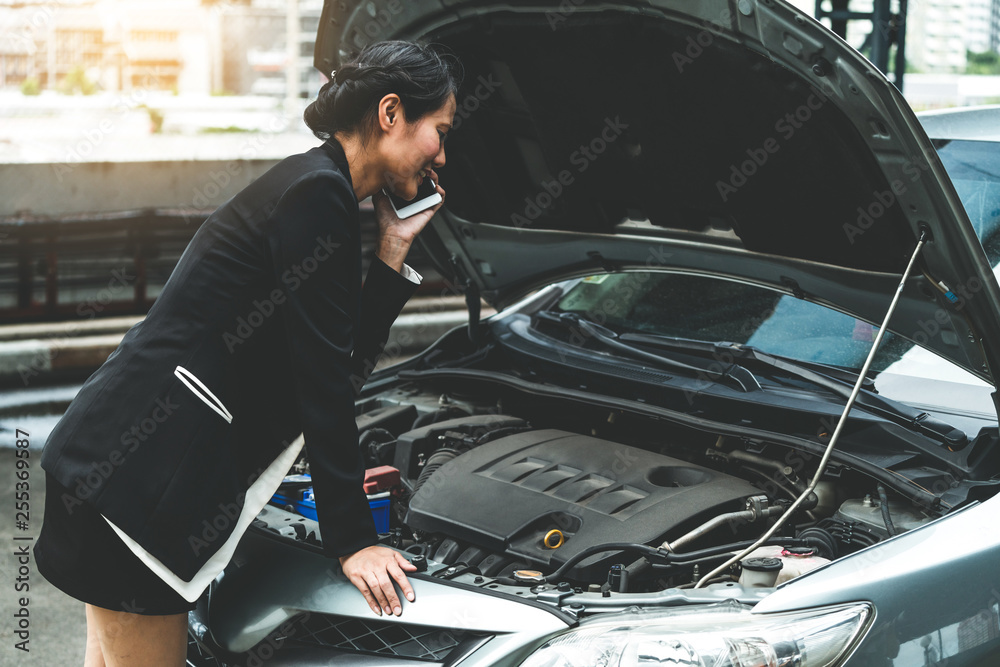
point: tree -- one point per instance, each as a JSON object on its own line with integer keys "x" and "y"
{"x": 76, "y": 81}
{"x": 30, "y": 86}
{"x": 986, "y": 62}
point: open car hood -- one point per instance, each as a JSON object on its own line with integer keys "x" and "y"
{"x": 737, "y": 138}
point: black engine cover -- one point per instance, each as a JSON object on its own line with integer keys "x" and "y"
{"x": 507, "y": 494}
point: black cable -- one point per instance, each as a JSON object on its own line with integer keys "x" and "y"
{"x": 884, "y": 505}
{"x": 689, "y": 556}
{"x": 600, "y": 548}
{"x": 667, "y": 558}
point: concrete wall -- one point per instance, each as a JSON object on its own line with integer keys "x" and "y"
{"x": 55, "y": 189}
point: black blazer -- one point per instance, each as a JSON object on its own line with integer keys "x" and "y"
{"x": 265, "y": 307}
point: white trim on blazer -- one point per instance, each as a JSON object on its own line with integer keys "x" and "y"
{"x": 180, "y": 372}
{"x": 256, "y": 498}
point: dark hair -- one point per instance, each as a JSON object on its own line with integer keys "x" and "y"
{"x": 423, "y": 77}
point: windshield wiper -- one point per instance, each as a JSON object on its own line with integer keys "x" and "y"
{"x": 837, "y": 380}
{"x": 899, "y": 413}
{"x": 732, "y": 373}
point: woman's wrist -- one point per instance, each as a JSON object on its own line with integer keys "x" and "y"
{"x": 392, "y": 250}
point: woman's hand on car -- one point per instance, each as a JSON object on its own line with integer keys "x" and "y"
{"x": 372, "y": 570}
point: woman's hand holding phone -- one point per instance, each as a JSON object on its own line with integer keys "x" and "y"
{"x": 396, "y": 234}
{"x": 407, "y": 228}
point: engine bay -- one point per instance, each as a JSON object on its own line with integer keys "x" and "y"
{"x": 562, "y": 493}
{"x": 523, "y": 490}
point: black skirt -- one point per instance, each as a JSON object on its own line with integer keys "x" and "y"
{"x": 80, "y": 554}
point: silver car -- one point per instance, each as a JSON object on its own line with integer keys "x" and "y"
{"x": 736, "y": 407}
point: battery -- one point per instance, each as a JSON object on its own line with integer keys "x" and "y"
{"x": 300, "y": 499}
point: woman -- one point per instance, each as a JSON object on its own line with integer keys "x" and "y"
{"x": 262, "y": 332}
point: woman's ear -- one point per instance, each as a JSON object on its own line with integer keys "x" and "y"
{"x": 390, "y": 112}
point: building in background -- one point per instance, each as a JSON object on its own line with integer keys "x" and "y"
{"x": 17, "y": 60}
{"x": 254, "y": 38}
{"x": 238, "y": 47}
{"x": 939, "y": 33}
{"x": 259, "y": 47}
{"x": 980, "y": 25}
{"x": 936, "y": 35}
{"x": 252, "y": 49}
{"x": 113, "y": 44}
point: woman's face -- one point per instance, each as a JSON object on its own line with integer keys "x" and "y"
{"x": 416, "y": 148}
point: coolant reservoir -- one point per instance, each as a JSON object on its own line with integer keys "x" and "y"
{"x": 793, "y": 563}
{"x": 760, "y": 572}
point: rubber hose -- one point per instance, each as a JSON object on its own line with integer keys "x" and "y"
{"x": 820, "y": 538}
{"x": 440, "y": 415}
{"x": 678, "y": 559}
{"x": 884, "y": 506}
{"x": 435, "y": 461}
{"x": 376, "y": 432}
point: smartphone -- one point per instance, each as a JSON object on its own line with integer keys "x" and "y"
{"x": 427, "y": 196}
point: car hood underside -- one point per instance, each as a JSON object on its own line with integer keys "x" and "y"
{"x": 739, "y": 139}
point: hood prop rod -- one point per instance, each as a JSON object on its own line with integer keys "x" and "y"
{"x": 836, "y": 433}
{"x": 471, "y": 292}
{"x": 473, "y": 305}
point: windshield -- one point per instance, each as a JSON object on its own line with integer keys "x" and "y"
{"x": 974, "y": 168}
{"x": 713, "y": 309}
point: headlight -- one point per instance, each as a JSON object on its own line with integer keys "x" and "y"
{"x": 719, "y": 635}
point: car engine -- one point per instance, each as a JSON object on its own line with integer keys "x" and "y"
{"x": 516, "y": 490}
{"x": 580, "y": 490}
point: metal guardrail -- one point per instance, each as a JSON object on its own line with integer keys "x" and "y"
{"x": 99, "y": 265}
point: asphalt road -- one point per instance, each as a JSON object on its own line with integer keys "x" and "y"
{"x": 57, "y": 627}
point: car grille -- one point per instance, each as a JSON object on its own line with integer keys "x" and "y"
{"x": 381, "y": 638}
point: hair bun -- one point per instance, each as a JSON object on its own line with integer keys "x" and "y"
{"x": 355, "y": 71}
{"x": 341, "y": 75}
{"x": 420, "y": 75}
